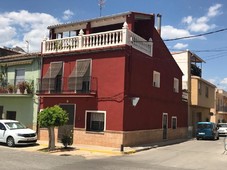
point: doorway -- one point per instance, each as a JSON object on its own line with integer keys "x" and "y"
{"x": 165, "y": 125}
{"x": 67, "y": 129}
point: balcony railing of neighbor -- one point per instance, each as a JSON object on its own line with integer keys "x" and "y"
{"x": 98, "y": 40}
{"x": 67, "y": 85}
{"x": 222, "y": 109}
{"x": 19, "y": 86}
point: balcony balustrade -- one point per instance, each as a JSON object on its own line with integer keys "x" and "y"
{"x": 67, "y": 85}
{"x": 222, "y": 109}
{"x": 19, "y": 86}
{"x": 98, "y": 40}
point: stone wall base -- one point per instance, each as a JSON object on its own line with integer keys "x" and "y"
{"x": 118, "y": 138}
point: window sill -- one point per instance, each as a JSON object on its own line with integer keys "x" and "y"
{"x": 93, "y": 132}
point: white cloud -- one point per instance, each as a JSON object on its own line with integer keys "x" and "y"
{"x": 224, "y": 81}
{"x": 180, "y": 46}
{"x": 17, "y": 27}
{"x": 169, "y": 32}
{"x": 67, "y": 14}
{"x": 202, "y": 24}
{"x": 214, "y": 10}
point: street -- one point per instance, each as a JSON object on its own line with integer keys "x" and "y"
{"x": 189, "y": 155}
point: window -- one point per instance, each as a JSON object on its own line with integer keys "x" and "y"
{"x": 174, "y": 122}
{"x": 11, "y": 115}
{"x": 199, "y": 88}
{"x": 2, "y": 127}
{"x": 52, "y": 80}
{"x": 19, "y": 75}
{"x": 207, "y": 92}
{"x": 176, "y": 85}
{"x": 156, "y": 79}
{"x": 95, "y": 121}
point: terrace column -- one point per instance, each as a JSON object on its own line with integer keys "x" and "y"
{"x": 125, "y": 33}
{"x": 81, "y": 33}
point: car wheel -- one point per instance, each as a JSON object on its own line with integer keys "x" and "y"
{"x": 10, "y": 141}
{"x": 197, "y": 138}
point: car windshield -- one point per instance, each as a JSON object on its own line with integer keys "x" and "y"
{"x": 15, "y": 125}
{"x": 222, "y": 125}
{"x": 204, "y": 126}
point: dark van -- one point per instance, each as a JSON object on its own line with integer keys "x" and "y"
{"x": 207, "y": 130}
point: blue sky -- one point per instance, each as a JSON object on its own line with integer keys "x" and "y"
{"x": 27, "y": 20}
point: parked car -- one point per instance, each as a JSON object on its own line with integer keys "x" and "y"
{"x": 207, "y": 130}
{"x": 222, "y": 129}
{"x": 13, "y": 133}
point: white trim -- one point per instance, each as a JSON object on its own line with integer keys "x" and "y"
{"x": 95, "y": 111}
{"x": 156, "y": 79}
{"x": 176, "y": 85}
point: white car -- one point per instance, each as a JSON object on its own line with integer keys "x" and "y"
{"x": 13, "y": 133}
{"x": 222, "y": 129}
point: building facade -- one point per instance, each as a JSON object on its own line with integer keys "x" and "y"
{"x": 200, "y": 93}
{"x": 19, "y": 73}
{"x": 116, "y": 79}
{"x": 220, "y": 108}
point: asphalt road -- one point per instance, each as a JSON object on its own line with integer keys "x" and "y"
{"x": 189, "y": 155}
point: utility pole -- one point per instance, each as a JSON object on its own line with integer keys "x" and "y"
{"x": 101, "y": 3}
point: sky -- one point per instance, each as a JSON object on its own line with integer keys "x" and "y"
{"x": 24, "y": 23}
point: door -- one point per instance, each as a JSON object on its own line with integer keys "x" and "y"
{"x": 67, "y": 129}
{"x": 1, "y": 112}
{"x": 165, "y": 125}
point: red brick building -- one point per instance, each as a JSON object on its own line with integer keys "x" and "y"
{"x": 116, "y": 79}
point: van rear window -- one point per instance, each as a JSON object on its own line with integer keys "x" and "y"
{"x": 204, "y": 126}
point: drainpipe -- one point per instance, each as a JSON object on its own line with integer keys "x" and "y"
{"x": 159, "y": 18}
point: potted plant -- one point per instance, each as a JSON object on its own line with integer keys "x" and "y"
{"x": 67, "y": 139}
{"x": 10, "y": 88}
{"x": 30, "y": 87}
{"x": 22, "y": 86}
{"x": 3, "y": 90}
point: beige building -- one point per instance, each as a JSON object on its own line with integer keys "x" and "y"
{"x": 220, "y": 108}
{"x": 202, "y": 100}
{"x": 200, "y": 93}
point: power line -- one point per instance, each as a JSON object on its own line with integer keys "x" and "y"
{"x": 199, "y": 35}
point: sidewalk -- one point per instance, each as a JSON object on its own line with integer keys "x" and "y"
{"x": 91, "y": 149}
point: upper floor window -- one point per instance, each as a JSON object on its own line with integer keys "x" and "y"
{"x": 199, "y": 88}
{"x": 207, "y": 91}
{"x": 156, "y": 79}
{"x": 176, "y": 85}
{"x": 52, "y": 80}
{"x": 19, "y": 75}
{"x": 79, "y": 79}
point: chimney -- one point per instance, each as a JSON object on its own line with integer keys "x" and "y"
{"x": 159, "y": 17}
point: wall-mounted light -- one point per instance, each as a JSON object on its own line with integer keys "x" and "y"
{"x": 135, "y": 100}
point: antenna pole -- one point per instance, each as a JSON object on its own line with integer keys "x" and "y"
{"x": 101, "y": 4}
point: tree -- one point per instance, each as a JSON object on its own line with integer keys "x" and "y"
{"x": 51, "y": 117}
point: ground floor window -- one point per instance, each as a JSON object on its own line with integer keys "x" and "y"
{"x": 95, "y": 121}
{"x": 174, "y": 122}
{"x": 11, "y": 115}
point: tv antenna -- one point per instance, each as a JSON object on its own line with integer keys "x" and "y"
{"x": 101, "y": 3}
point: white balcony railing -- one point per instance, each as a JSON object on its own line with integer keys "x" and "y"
{"x": 98, "y": 40}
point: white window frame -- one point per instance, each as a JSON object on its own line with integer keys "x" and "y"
{"x": 176, "y": 85}
{"x": 156, "y": 79}
{"x": 173, "y": 117}
{"x": 95, "y": 111}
